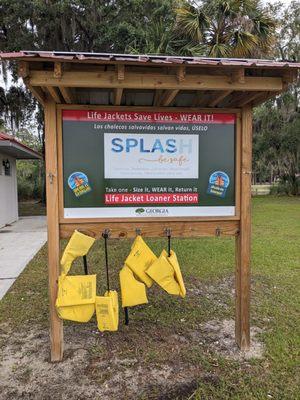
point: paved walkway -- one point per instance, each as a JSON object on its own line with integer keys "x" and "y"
{"x": 19, "y": 242}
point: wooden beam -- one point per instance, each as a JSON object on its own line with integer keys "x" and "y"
{"x": 23, "y": 69}
{"x": 153, "y": 229}
{"x": 264, "y": 97}
{"x": 36, "y": 91}
{"x": 108, "y": 79}
{"x": 180, "y": 73}
{"x": 199, "y": 98}
{"x": 120, "y": 72}
{"x": 236, "y": 98}
{"x": 238, "y": 76}
{"x": 67, "y": 95}
{"x": 157, "y": 97}
{"x": 56, "y": 324}
{"x": 248, "y": 99}
{"x": 168, "y": 97}
{"x": 243, "y": 241}
{"x": 118, "y": 96}
{"x": 289, "y": 76}
{"x": 57, "y": 70}
{"x": 220, "y": 97}
{"x": 54, "y": 94}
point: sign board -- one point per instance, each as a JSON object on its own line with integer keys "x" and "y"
{"x": 140, "y": 164}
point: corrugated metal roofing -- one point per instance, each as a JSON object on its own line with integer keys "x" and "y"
{"x": 147, "y": 59}
{"x": 13, "y": 142}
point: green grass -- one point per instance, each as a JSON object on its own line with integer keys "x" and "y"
{"x": 205, "y": 263}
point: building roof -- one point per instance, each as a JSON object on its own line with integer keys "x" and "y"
{"x": 102, "y": 58}
{"x": 14, "y": 148}
{"x": 151, "y": 80}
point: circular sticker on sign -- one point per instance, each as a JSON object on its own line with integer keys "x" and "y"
{"x": 79, "y": 184}
{"x": 218, "y": 184}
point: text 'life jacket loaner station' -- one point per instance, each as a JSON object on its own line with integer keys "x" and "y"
{"x": 144, "y": 146}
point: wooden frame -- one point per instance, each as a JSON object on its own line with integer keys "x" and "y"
{"x": 237, "y": 226}
{"x": 135, "y": 80}
{"x": 213, "y": 86}
{"x": 54, "y": 79}
{"x": 56, "y": 325}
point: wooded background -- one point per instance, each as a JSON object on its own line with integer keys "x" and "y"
{"x": 214, "y": 28}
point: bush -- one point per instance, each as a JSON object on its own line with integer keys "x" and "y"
{"x": 287, "y": 186}
{"x": 30, "y": 180}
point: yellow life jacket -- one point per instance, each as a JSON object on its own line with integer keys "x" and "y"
{"x": 76, "y": 297}
{"x": 165, "y": 271}
{"x": 76, "y": 294}
{"x": 178, "y": 275}
{"x": 107, "y": 311}
{"x": 78, "y": 245}
{"x": 133, "y": 292}
{"x": 139, "y": 260}
{"x": 162, "y": 272}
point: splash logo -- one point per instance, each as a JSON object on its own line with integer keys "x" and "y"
{"x": 151, "y": 156}
{"x": 156, "y": 145}
{"x": 139, "y": 210}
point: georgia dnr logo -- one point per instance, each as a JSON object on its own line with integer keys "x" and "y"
{"x": 139, "y": 210}
{"x": 151, "y": 212}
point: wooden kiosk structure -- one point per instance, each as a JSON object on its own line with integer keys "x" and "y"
{"x": 92, "y": 81}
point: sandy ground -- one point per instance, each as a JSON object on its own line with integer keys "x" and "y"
{"x": 145, "y": 360}
{"x": 95, "y": 368}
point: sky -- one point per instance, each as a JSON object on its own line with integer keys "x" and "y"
{"x": 287, "y": 2}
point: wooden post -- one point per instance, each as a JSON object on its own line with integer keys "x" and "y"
{"x": 243, "y": 241}
{"x": 56, "y": 325}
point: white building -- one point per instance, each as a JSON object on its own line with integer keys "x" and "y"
{"x": 10, "y": 151}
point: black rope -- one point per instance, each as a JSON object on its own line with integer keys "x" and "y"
{"x": 85, "y": 266}
{"x": 168, "y": 231}
{"x": 105, "y": 236}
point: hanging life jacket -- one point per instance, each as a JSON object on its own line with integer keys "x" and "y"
{"x": 76, "y": 294}
{"x": 139, "y": 260}
{"x": 107, "y": 311}
{"x": 133, "y": 292}
{"x": 165, "y": 271}
{"x": 78, "y": 245}
{"x": 178, "y": 275}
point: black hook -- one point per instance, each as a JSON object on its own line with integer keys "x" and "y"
{"x": 138, "y": 231}
{"x": 218, "y": 232}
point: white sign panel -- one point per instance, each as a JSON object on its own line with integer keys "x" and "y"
{"x": 158, "y": 156}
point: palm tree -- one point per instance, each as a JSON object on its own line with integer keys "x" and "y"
{"x": 225, "y": 28}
